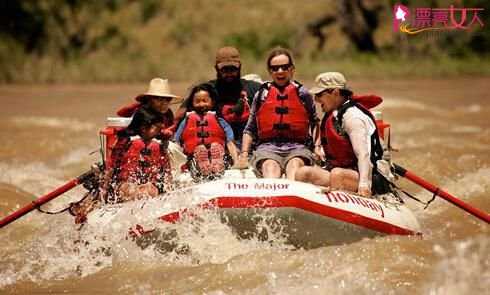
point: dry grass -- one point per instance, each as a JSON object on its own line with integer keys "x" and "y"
{"x": 181, "y": 40}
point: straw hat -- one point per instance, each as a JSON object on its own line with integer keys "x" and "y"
{"x": 158, "y": 87}
{"x": 329, "y": 80}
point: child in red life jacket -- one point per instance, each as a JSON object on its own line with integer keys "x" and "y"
{"x": 154, "y": 106}
{"x": 143, "y": 169}
{"x": 203, "y": 135}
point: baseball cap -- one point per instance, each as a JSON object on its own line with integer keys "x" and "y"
{"x": 227, "y": 56}
{"x": 329, "y": 80}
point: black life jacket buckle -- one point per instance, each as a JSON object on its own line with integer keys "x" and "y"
{"x": 282, "y": 96}
{"x": 202, "y": 134}
{"x": 145, "y": 151}
{"x": 202, "y": 123}
{"x": 281, "y": 126}
{"x": 282, "y": 110}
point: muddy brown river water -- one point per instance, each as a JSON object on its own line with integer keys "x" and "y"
{"x": 49, "y": 133}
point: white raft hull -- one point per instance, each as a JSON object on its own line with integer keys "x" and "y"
{"x": 307, "y": 216}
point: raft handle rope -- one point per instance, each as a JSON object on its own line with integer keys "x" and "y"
{"x": 87, "y": 182}
{"x": 426, "y": 204}
{"x": 54, "y": 212}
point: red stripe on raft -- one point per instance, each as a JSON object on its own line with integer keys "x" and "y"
{"x": 300, "y": 203}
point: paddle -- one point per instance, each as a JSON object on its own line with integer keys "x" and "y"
{"x": 439, "y": 192}
{"x": 46, "y": 198}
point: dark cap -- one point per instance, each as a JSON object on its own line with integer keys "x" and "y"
{"x": 227, "y": 56}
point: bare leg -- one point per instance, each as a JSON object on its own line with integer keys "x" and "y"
{"x": 201, "y": 156}
{"x": 271, "y": 169}
{"x": 314, "y": 175}
{"x": 344, "y": 179}
{"x": 292, "y": 166}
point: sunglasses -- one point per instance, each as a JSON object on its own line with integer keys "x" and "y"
{"x": 276, "y": 68}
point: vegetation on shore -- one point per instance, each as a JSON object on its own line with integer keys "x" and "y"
{"x": 55, "y": 41}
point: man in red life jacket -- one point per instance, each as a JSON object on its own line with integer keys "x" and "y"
{"x": 235, "y": 94}
{"x": 282, "y": 121}
{"x": 349, "y": 138}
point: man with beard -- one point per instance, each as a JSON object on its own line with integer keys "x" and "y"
{"x": 234, "y": 94}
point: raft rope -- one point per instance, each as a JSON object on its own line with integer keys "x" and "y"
{"x": 64, "y": 209}
{"x": 53, "y": 212}
{"x": 426, "y": 204}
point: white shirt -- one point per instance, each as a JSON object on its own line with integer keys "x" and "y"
{"x": 359, "y": 127}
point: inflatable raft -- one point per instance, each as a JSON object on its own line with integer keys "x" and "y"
{"x": 307, "y": 215}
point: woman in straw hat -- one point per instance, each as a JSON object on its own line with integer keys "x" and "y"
{"x": 139, "y": 158}
{"x": 156, "y": 100}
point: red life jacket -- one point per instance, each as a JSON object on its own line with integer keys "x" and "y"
{"x": 336, "y": 143}
{"x": 201, "y": 130}
{"x": 143, "y": 163}
{"x": 230, "y": 116}
{"x": 282, "y": 116}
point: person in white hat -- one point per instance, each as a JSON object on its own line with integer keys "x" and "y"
{"x": 348, "y": 136}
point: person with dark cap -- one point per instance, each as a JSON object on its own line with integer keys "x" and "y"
{"x": 235, "y": 94}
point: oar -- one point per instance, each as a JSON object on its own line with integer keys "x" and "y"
{"x": 46, "y": 198}
{"x": 441, "y": 193}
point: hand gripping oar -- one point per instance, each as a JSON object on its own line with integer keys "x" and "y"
{"x": 46, "y": 198}
{"x": 439, "y": 192}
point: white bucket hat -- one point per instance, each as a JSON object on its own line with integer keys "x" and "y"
{"x": 158, "y": 87}
{"x": 329, "y": 80}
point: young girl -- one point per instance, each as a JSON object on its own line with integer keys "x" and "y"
{"x": 138, "y": 164}
{"x": 143, "y": 170}
{"x": 203, "y": 134}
